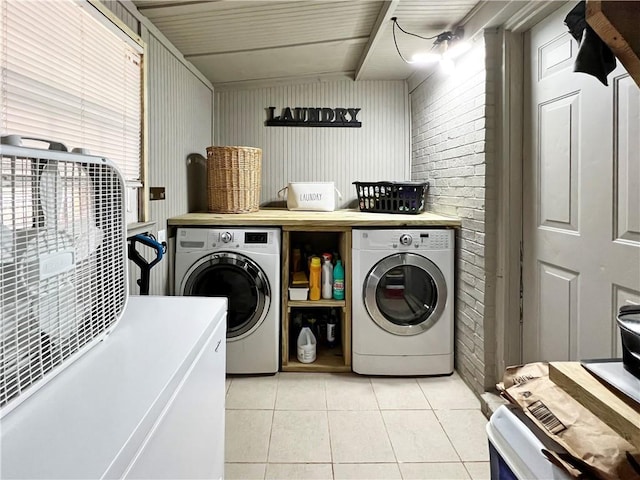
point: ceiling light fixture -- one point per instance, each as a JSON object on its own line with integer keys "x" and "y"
{"x": 446, "y": 46}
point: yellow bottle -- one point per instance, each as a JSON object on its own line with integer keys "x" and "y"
{"x": 315, "y": 278}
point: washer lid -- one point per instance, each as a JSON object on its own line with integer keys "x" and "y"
{"x": 240, "y": 280}
{"x": 405, "y": 294}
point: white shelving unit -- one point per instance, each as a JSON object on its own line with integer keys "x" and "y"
{"x": 338, "y": 358}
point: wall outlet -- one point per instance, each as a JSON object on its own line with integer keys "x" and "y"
{"x": 157, "y": 193}
{"x": 162, "y": 236}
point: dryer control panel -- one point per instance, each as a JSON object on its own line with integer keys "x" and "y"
{"x": 403, "y": 240}
{"x": 247, "y": 239}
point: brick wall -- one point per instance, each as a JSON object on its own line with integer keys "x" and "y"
{"x": 453, "y": 139}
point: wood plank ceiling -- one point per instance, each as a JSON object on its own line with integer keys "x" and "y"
{"x": 233, "y": 41}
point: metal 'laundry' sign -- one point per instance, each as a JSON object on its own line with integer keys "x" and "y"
{"x": 313, "y": 117}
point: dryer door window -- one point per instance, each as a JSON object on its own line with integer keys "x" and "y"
{"x": 405, "y": 293}
{"x": 239, "y": 279}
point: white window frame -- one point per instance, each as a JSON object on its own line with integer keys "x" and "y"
{"x": 137, "y": 188}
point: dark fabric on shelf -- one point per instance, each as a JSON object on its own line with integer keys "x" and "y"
{"x": 594, "y": 56}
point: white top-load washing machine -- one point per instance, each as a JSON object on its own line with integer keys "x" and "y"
{"x": 243, "y": 265}
{"x": 402, "y": 322}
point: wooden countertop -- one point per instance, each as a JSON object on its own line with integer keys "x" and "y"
{"x": 339, "y": 218}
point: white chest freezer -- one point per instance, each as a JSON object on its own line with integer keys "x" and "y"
{"x": 146, "y": 402}
{"x": 515, "y": 452}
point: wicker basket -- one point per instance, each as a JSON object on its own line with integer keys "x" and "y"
{"x": 233, "y": 184}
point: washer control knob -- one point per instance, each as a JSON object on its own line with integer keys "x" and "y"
{"x": 226, "y": 237}
{"x": 406, "y": 239}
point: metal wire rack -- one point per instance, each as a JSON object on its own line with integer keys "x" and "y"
{"x": 62, "y": 261}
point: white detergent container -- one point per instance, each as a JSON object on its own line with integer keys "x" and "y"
{"x": 327, "y": 277}
{"x": 306, "y": 346}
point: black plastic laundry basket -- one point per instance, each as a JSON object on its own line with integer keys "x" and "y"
{"x": 391, "y": 197}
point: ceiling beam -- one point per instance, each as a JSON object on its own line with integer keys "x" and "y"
{"x": 337, "y": 41}
{"x": 386, "y": 12}
{"x": 145, "y": 5}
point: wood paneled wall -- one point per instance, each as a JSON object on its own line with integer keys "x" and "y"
{"x": 379, "y": 150}
{"x": 180, "y": 122}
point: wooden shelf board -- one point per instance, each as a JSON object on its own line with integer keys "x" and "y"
{"x": 616, "y": 23}
{"x": 327, "y": 360}
{"x": 316, "y": 303}
{"x": 340, "y": 220}
{"x": 314, "y": 367}
{"x": 574, "y": 379}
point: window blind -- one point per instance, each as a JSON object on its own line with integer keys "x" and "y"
{"x": 67, "y": 76}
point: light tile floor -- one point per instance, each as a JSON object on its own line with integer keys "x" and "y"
{"x": 346, "y": 426}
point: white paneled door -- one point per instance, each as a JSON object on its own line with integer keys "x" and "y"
{"x": 581, "y": 201}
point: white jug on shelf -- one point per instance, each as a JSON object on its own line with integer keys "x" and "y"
{"x": 306, "y": 346}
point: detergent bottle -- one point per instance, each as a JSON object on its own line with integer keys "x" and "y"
{"x": 338, "y": 281}
{"x": 332, "y": 330}
{"x": 327, "y": 276}
{"x": 315, "y": 278}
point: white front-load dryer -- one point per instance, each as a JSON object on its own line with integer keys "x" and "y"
{"x": 403, "y": 301}
{"x": 242, "y": 265}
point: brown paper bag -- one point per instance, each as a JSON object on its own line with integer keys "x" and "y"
{"x": 518, "y": 374}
